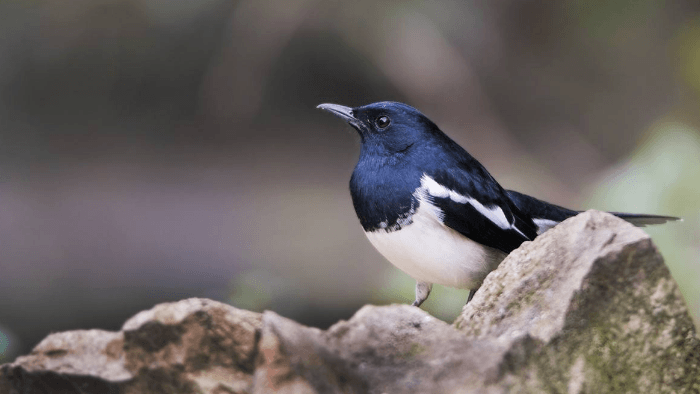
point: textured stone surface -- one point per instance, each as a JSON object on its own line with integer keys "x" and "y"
{"x": 588, "y": 307}
{"x": 389, "y": 349}
{"x": 191, "y": 346}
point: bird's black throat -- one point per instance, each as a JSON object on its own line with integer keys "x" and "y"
{"x": 382, "y": 201}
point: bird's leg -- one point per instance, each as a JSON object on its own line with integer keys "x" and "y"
{"x": 422, "y": 292}
{"x": 471, "y": 295}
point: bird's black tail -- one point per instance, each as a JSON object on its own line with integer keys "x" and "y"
{"x": 641, "y": 220}
{"x": 538, "y": 209}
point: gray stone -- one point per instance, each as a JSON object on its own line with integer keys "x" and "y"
{"x": 190, "y": 346}
{"x": 397, "y": 348}
{"x": 588, "y": 307}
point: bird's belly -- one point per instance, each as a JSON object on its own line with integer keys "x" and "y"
{"x": 429, "y": 251}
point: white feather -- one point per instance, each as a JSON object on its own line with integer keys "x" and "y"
{"x": 431, "y": 252}
{"x": 494, "y": 214}
{"x": 544, "y": 225}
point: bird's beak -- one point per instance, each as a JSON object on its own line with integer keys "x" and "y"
{"x": 346, "y": 114}
{"x": 340, "y": 111}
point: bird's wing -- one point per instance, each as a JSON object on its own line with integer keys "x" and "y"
{"x": 474, "y": 205}
{"x": 542, "y": 213}
{"x": 550, "y": 214}
{"x": 539, "y": 209}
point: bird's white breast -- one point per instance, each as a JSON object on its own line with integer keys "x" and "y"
{"x": 429, "y": 251}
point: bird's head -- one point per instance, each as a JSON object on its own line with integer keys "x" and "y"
{"x": 386, "y": 127}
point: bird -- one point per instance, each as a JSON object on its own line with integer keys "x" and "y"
{"x": 433, "y": 210}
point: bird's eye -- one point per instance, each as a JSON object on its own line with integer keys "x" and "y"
{"x": 382, "y": 122}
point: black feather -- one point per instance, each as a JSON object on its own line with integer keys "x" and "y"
{"x": 538, "y": 209}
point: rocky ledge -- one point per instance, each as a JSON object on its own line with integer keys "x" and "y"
{"x": 588, "y": 307}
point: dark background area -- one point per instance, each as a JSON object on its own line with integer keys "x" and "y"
{"x": 153, "y": 150}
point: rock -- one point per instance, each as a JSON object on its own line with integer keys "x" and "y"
{"x": 587, "y": 307}
{"x": 390, "y": 349}
{"x": 190, "y": 346}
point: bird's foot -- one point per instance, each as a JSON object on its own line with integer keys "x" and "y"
{"x": 471, "y": 295}
{"x": 422, "y": 292}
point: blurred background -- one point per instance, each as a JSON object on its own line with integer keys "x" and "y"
{"x": 152, "y": 150}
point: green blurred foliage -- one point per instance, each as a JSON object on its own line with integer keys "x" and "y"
{"x": 663, "y": 177}
{"x": 687, "y": 54}
{"x": 254, "y": 290}
{"x": 8, "y": 345}
{"x": 154, "y": 150}
{"x": 445, "y": 303}
{"x": 613, "y": 22}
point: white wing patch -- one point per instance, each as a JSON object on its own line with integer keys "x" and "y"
{"x": 495, "y": 214}
{"x": 544, "y": 225}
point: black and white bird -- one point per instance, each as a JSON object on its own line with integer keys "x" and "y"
{"x": 433, "y": 210}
